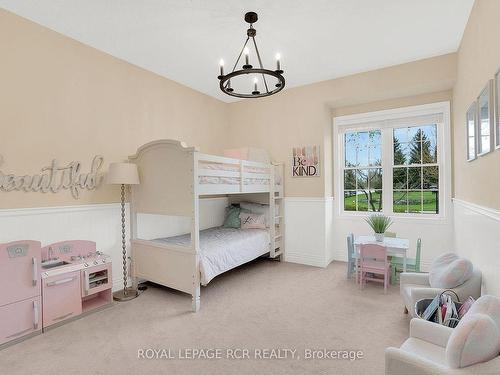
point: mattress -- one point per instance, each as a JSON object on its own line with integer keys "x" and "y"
{"x": 222, "y": 249}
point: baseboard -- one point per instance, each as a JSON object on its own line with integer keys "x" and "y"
{"x": 118, "y": 283}
{"x": 302, "y": 258}
{"x": 338, "y": 255}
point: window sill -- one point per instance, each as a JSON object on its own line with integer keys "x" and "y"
{"x": 397, "y": 216}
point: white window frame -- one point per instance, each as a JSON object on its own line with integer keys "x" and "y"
{"x": 488, "y": 92}
{"x": 380, "y": 120}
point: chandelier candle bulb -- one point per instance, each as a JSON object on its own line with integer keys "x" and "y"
{"x": 247, "y": 64}
{"x": 246, "y": 52}
{"x": 255, "y": 90}
{"x": 221, "y": 63}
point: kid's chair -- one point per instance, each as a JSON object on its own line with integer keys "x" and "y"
{"x": 412, "y": 265}
{"x": 373, "y": 260}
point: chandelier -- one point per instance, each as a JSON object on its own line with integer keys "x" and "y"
{"x": 275, "y": 77}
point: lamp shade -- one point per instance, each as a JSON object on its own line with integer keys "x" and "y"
{"x": 122, "y": 173}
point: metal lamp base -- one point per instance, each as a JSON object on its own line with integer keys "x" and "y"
{"x": 122, "y": 297}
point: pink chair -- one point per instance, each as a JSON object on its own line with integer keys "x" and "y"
{"x": 373, "y": 260}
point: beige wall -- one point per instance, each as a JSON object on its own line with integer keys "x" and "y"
{"x": 478, "y": 60}
{"x": 62, "y": 99}
{"x": 303, "y": 115}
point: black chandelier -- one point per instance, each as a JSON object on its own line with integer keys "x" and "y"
{"x": 247, "y": 68}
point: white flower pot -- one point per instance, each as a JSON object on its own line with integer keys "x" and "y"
{"x": 379, "y": 237}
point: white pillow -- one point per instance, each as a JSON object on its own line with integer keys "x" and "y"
{"x": 449, "y": 271}
{"x": 256, "y": 208}
{"x": 252, "y": 221}
{"x": 475, "y": 339}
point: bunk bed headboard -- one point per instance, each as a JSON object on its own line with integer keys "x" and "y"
{"x": 166, "y": 170}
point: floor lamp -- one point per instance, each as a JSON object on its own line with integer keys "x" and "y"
{"x": 123, "y": 174}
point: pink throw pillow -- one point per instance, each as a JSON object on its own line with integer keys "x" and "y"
{"x": 252, "y": 221}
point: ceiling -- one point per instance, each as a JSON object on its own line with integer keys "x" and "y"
{"x": 318, "y": 40}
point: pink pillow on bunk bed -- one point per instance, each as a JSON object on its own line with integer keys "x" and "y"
{"x": 256, "y": 208}
{"x": 250, "y": 220}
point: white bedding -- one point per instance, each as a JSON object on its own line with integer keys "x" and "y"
{"x": 222, "y": 249}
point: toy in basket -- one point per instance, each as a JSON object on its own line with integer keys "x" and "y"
{"x": 445, "y": 308}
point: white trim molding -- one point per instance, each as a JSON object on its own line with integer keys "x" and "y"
{"x": 10, "y": 212}
{"x": 486, "y": 211}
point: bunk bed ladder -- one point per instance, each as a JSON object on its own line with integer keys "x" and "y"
{"x": 277, "y": 229}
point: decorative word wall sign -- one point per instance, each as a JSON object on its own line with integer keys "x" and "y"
{"x": 56, "y": 177}
{"x": 305, "y": 161}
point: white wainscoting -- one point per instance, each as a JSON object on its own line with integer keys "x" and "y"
{"x": 315, "y": 234}
{"x": 212, "y": 212}
{"x": 477, "y": 237}
{"x": 306, "y": 233}
{"x": 99, "y": 222}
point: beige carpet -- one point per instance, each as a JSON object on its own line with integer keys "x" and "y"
{"x": 262, "y": 305}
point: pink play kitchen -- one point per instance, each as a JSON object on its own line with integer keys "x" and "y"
{"x": 42, "y": 288}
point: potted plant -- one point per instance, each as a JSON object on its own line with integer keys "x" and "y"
{"x": 379, "y": 224}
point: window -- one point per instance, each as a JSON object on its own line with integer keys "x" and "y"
{"x": 485, "y": 121}
{"x": 415, "y": 170}
{"x": 394, "y": 161}
{"x": 471, "y": 132}
{"x": 363, "y": 171}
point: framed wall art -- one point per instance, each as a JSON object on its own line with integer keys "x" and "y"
{"x": 471, "y": 123}
{"x": 306, "y": 161}
{"x": 497, "y": 109}
{"x": 485, "y": 120}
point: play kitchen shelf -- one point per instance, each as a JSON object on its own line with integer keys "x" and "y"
{"x": 96, "y": 287}
{"x": 80, "y": 283}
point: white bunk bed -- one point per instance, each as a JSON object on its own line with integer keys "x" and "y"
{"x": 173, "y": 180}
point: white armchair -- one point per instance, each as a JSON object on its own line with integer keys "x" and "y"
{"x": 424, "y": 353}
{"x": 473, "y": 347}
{"x": 416, "y": 286}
